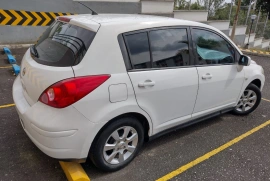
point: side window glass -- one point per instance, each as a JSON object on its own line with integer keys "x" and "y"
{"x": 169, "y": 48}
{"x": 211, "y": 48}
{"x": 138, "y": 47}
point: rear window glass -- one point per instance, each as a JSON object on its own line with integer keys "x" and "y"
{"x": 62, "y": 45}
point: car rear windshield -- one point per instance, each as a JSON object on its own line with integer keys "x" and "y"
{"x": 62, "y": 45}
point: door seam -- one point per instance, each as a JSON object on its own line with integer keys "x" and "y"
{"x": 139, "y": 105}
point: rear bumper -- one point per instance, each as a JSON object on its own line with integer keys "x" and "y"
{"x": 59, "y": 133}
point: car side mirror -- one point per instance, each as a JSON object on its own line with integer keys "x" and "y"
{"x": 244, "y": 60}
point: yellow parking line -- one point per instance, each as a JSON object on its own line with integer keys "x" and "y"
{"x": 5, "y": 67}
{"x": 265, "y": 99}
{"x": 211, "y": 153}
{"x": 74, "y": 171}
{"x": 7, "y": 105}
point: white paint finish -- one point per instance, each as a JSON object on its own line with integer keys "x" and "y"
{"x": 257, "y": 42}
{"x": 221, "y": 25}
{"x": 172, "y": 123}
{"x": 38, "y": 77}
{"x": 118, "y": 92}
{"x": 251, "y": 39}
{"x": 85, "y": 23}
{"x": 199, "y": 16}
{"x": 157, "y": 7}
{"x": 212, "y": 110}
{"x": 252, "y": 72}
{"x": 168, "y": 103}
{"x": 55, "y": 134}
{"x": 53, "y": 140}
{"x": 265, "y": 43}
{"x": 240, "y": 30}
{"x": 173, "y": 96}
{"x": 223, "y": 88}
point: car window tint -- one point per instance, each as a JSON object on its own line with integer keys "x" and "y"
{"x": 169, "y": 47}
{"x": 139, "y": 50}
{"x": 63, "y": 45}
{"x": 211, "y": 48}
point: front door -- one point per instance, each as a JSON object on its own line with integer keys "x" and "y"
{"x": 164, "y": 82}
{"x": 220, "y": 81}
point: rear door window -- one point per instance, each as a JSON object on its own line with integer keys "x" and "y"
{"x": 138, "y": 47}
{"x": 62, "y": 45}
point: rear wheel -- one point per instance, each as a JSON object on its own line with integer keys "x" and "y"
{"x": 249, "y": 100}
{"x": 118, "y": 144}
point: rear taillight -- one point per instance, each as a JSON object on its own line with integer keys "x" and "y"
{"x": 69, "y": 91}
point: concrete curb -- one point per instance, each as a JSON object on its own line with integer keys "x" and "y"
{"x": 255, "y": 52}
{"x": 74, "y": 171}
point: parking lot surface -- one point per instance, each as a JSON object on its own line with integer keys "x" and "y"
{"x": 248, "y": 159}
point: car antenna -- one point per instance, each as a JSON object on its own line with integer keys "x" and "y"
{"x": 93, "y": 12}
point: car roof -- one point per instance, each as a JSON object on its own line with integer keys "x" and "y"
{"x": 115, "y": 24}
{"x": 124, "y": 18}
{"x": 136, "y": 21}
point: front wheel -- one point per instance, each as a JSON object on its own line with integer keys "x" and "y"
{"x": 249, "y": 100}
{"x": 117, "y": 144}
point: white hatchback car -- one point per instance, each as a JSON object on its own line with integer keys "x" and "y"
{"x": 101, "y": 85}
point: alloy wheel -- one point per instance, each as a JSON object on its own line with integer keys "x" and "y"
{"x": 120, "y": 145}
{"x": 247, "y": 101}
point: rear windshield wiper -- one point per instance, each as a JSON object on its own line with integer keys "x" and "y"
{"x": 34, "y": 51}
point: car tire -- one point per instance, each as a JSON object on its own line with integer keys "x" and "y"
{"x": 249, "y": 100}
{"x": 110, "y": 152}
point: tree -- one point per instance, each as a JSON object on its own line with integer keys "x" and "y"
{"x": 180, "y": 4}
{"x": 243, "y": 2}
{"x": 212, "y": 5}
{"x": 265, "y": 6}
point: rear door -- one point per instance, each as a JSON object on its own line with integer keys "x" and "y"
{"x": 50, "y": 60}
{"x": 164, "y": 82}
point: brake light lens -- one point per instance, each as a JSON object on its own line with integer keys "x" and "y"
{"x": 69, "y": 91}
{"x": 64, "y": 19}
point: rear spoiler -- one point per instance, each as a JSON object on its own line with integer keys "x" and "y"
{"x": 81, "y": 21}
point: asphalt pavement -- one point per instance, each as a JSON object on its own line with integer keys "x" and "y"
{"x": 248, "y": 159}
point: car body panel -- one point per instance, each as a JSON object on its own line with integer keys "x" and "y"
{"x": 173, "y": 96}
{"x": 222, "y": 89}
{"x": 68, "y": 133}
{"x": 36, "y": 77}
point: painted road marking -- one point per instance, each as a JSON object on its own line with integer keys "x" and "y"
{"x": 211, "y": 153}
{"x": 7, "y": 105}
{"x": 5, "y": 67}
{"x": 265, "y": 99}
{"x": 74, "y": 171}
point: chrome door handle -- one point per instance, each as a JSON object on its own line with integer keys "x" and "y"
{"x": 146, "y": 83}
{"x": 207, "y": 76}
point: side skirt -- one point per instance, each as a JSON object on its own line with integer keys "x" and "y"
{"x": 190, "y": 123}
